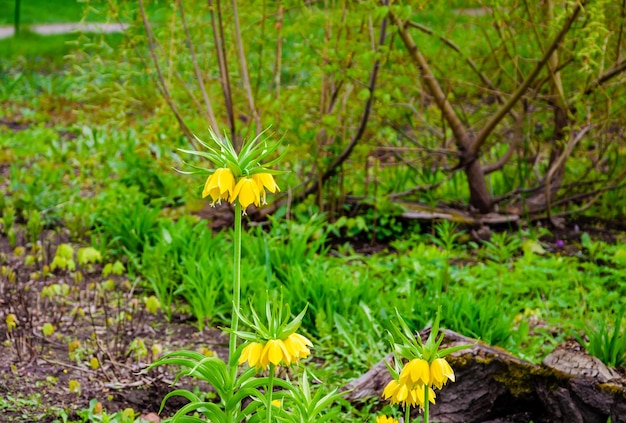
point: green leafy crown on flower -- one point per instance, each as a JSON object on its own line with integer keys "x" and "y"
{"x": 247, "y": 162}
{"x": 238, "y": 177}
{"x": 408, "y": 344}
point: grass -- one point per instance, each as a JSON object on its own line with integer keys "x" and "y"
{"x": 42, "y": 11}
{"x": 113, "y": 188}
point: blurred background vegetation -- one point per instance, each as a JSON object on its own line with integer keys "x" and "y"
{"x": 406, "y": 128}
{"x": 339, "y": 83}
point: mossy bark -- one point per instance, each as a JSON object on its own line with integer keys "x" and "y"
{"x": 494, "y": 386}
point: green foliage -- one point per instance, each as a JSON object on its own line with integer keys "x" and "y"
{"x": 64, "y": 258}
{"x": 606, "y": 342}
{"x": 96, "y": 414}
{"x": 34, "y": 226}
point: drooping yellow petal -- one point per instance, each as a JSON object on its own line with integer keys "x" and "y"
{"x": 219, "y": 185}
{"x": 266, "y": 180}
{"x": 225, "y": 181}
{"x": 252, "y": 354}
{"x": 390, "y": 390}
{"x": 440, "y": 373}
{"x": 297, "y": 345}
{"x": 402, "y": 394}
{"x": 246, "y": 192}
{"x": 275, "y": 352}
{"x": 416, "y": 371}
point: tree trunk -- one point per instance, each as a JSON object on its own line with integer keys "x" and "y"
{"x": 494, "y": 386}
{"x": 480, "y": 198}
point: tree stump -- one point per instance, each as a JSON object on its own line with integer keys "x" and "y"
{"x": 494, "y": 386}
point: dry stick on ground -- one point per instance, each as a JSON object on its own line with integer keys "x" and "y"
{"x": 207, "y": 102}
{"x": 218, "y": 38}
{"x": 161, "y": 80}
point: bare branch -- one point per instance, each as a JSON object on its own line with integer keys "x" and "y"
{"x": 575, "y": 138}
{"x": 606, "y": 76}
{"x": 460, "y": 133}
{"x": 468, "y": 60}
{"x": 243, "y": 66}
{"x": 162, "y": 84}
{"x": 333, "y": 168}
{"x": 196, "y": 68}
{"x": 518, "y": 136}
{"x": 497, "y": 117}
{"x": 218, "y": 37}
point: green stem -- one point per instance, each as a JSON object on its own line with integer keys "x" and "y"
{"x": 270, "y": 391}
{"x": 236, "y": 285}
{"x": 426, "y": 389}
{"x": 407, "y": 414}
{"x": 16, "y": 20}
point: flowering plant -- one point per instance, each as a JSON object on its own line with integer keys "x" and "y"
{"x": 248, "y": 395}
{"x": 413, "y": 383}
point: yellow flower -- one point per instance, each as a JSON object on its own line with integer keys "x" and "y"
{"x": 277, "y": 403}
{"x": 385, "y": 419}
{"x": 247, "y": 192}
{"x": 396, "y": 392}
{"x": 416, "y": 396}
{"x": 252, "y": 354}
{"x": 220, "y": 185}
{"x": 298, "y": 346}
{"x": 415, "y": 372}
{"x": 275, "y": 351}
{"x": 265, "y": 181}
{"x": 440, "y": 373}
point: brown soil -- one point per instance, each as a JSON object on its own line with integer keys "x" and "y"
{"x": 37, "y": 371}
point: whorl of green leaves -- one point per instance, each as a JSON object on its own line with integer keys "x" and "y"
{"x": 277, "y": 323}
{"x": 247, "y": 162}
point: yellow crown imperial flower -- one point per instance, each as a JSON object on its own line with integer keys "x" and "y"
{"x": 252, "y": 354}
{"x": 440, "y": 372}
{"x": 265, "y": 181}
{"x": 247, "y": 192}
{"x": 220, "y": 185}
{"x": 416, "y": 396}
{"x": 416, "y": 372}
{"x": 385, "y": 419}
{"x": 396, "y": 392}
{"x": 298, "y": 346}
{"x": 276, "y": 351}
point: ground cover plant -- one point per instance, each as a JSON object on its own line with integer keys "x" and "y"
{"x": 111, "y": 261}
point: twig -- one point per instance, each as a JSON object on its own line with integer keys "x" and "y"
{"x": 468, "y": 60}
{"x": 196, "y": 68}
{"x": 497, "y": 117}
{"x": 218, "y": 37}
{"x": 243, "y": 66}
{"x": 559, "y": 163}
{"x": 162, "y": 84}
{"x": 332, "y": 169}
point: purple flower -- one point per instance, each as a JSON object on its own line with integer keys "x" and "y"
{"x": 560, "y": 243}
